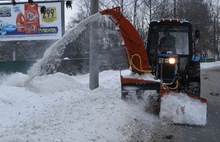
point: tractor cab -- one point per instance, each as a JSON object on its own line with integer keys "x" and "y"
{"x": 170, "y": 51}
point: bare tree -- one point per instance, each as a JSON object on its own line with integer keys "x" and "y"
{"x": 214, "y": 8}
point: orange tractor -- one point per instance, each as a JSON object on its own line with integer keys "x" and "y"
{"x": 169, "y": 57}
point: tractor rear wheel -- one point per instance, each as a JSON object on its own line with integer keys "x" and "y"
{"x": 194, "y": 79}
{"x": 194, "y": 89}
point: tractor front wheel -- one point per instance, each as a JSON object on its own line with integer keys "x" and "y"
{"x": 194, "y": 89}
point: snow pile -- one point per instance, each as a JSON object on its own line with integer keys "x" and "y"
{"x": 182, "y": 109}
{"x": 59, "y": 107}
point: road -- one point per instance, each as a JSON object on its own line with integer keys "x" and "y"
{"x": 210, "y": 79}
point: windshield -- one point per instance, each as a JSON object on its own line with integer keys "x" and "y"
{"x": 170, "y": 39}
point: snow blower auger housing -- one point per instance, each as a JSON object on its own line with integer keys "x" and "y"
{"x": 168, "y": 64}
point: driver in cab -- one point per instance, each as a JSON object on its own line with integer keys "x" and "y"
{"x": 167, "y": 44}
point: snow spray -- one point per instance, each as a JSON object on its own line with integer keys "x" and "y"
{"x": 51, "y": 58}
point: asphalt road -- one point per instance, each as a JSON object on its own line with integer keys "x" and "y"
{"x": 210, "y": 79}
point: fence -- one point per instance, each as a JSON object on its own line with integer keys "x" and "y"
{"x": 207, "y": 60}
{"x": 70, "y": 67}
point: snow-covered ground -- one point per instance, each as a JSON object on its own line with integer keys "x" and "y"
{"x": 62, "y": 108}
{"x": 59, "y": 107}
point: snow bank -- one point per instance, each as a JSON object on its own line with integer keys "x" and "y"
{"x": 182, "y": 109}
{"x": 59, "y": 107}
{"x": 210, "y": 65}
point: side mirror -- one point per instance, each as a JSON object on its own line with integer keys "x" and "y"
{"x": 197, "y": 33}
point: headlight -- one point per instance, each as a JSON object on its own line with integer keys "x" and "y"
{"x": 172, "y": 60}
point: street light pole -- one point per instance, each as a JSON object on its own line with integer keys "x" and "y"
{"x": 94, "y": 62}
{"x": 63, "y": 16}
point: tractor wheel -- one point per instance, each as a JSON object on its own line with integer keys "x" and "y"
{"x": 194, "y": 79}
{"x": 194, "y": 89}
{"x": 194, "y": 70}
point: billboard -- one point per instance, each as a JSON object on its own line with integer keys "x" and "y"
{"x": 24, "y": 21}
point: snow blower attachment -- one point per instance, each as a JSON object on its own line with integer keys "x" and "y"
{"x": 168, "y": 66}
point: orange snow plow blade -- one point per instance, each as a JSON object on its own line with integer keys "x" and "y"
{"x": 203, "y": 100}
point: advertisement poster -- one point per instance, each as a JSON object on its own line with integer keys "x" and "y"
{"x": 26, "y": 22}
